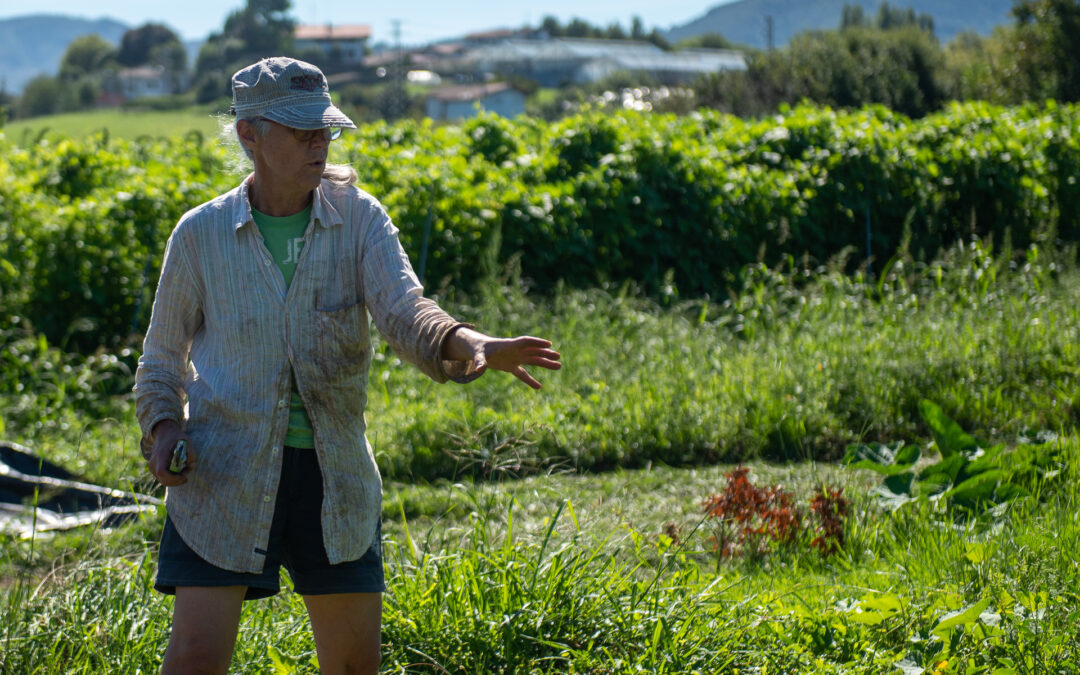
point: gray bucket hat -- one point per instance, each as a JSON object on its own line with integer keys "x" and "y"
{"x": 287, "y": 91}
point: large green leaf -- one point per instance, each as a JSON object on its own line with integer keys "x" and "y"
{"x": 882, "y": 458}
{"x": 941, "y": 474}
{"x": 875, "y": 608}
{"x": 949, "y": 437}
{"x": 963, "y": 617}
{"x": 900, "y": 484}
{"x": 977, "y": 489}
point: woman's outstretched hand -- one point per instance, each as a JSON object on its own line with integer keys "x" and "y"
{"x": 507, "y": 354}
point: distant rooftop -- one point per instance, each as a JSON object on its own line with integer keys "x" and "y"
{"x": 345, "y": 31}
{"x": 468, "y": 92}
{"x": 627, "y": 54}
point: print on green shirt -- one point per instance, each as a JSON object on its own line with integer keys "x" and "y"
{"x": 284, "y": 239}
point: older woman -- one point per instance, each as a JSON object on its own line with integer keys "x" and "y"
{"x": 257, "y": 358}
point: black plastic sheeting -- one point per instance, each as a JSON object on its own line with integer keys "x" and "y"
{"x": 62, "y": 502}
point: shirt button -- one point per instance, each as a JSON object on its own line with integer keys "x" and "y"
{"x": 266, "y": 498}
{"x": 282, "y": 403}
{"x": 274, "y": 449}
{"x": 266, "y": 261}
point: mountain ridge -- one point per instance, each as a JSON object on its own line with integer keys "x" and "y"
{"x": 34, "y": 44}
{"x": 744, "y": 21}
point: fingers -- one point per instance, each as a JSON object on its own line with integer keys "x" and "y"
{"x": 161, "y": 458}
{"x": 551, "y": 362}
{"x": 521, "y": 374}
{"x": 511, "y": 355}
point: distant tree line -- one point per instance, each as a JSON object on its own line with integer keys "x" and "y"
{"x": 578, "y": 28}
{"x": 894, "y": 59}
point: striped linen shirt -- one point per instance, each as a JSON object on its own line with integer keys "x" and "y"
{"x": 225, "y": 338}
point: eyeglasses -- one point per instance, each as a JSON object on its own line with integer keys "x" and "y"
{"x": 308, "y": 135}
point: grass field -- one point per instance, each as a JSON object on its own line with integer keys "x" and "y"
{"x": 612, "y": 574}
{"x": 518, "y": 539}
{"x": 119, "y": 123}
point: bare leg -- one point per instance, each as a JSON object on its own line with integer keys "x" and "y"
{"x": 348, "y": 632}
{"x": 205, "y": 623}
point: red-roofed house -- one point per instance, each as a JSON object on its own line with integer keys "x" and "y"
{"x": 347, "y": 42}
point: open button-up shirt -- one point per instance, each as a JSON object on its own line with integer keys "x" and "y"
{"x": 225, "y": 339}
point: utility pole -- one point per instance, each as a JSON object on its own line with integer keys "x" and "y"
{"x": 769, "y": 32}
{"x": 397, "y": 101}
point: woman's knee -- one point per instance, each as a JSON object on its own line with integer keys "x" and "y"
{"x": 190, "y": 656}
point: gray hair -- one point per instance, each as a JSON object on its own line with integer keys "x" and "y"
{"x": 338, "y": 174}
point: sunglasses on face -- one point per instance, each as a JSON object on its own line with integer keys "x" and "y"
{"x": 307, "y": 135}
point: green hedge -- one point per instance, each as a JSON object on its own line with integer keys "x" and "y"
{"x": 659, "y": 200}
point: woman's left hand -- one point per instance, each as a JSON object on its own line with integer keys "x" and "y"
{"x": 507, "y": 354}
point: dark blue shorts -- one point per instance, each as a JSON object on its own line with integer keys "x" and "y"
{"x": 295, "y": 540}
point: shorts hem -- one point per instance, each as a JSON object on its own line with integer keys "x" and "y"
{"x": 334, "y": 590}
{"x": 254, "y": 592}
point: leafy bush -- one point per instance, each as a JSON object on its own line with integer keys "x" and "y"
{"x": 678, "y": 206}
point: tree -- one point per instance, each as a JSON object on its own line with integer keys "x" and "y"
{"x": 264, "y": 26}
{"x": 6, "y": 102}
{"x": 86, "y": 55}
{"x": 707, "y": 41}
{"x": 577, "y": 28}
{"x": 615, "y": 32}
{"x": 1047, "y": 48}
{"x": 853, "y": 16}
{"x": 151, "y": 43}
{"x": 978, "y": 68}
{"x": 41, "y": 96}
{"x": 901, "y": 68}
{"x": 551, "y": 26}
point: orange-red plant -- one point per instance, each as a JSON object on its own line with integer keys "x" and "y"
{"x": 751, "y": 519}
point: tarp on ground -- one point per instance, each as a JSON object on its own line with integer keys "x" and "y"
{"x": 37, "y": 495}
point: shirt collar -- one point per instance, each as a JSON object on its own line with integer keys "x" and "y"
{"x": 323, "y": 212}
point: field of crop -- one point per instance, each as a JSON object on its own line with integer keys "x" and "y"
{"x": 908, "y": 426}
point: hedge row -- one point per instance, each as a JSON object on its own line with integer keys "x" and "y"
{"x": 591, "y": 199}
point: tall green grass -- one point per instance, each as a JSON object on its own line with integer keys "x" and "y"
{"x": 796, "y": 366}
{"x": 511, "y": 559}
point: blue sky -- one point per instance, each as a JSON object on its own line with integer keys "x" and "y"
{"x": 421, "y": 20}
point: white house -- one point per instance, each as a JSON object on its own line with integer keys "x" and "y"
{"x": 144, "y": 82}
{"x": 460, "y": 101}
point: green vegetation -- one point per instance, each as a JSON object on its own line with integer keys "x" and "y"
{"x": 613, "y": 573}
{"x": 662, "y": 201}
{"x": 706, "y": 280}
{"x": 571, "y": 573}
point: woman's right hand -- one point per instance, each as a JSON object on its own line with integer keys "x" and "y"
{"x": 167, "y": 434}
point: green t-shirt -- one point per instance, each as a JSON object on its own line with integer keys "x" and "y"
{"x": 284, "y": 238}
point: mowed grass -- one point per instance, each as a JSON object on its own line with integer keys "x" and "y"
{"x": 128, "y": 125}
{"x": 615, "y": 574}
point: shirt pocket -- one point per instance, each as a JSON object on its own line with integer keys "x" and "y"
{"x": 341, "y": 335}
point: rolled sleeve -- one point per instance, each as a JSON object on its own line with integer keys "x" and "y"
{"x": 414, "y": 326}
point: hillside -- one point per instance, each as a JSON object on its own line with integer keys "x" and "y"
{"x": 34, "y": 44}
{"x": 744, "y": 21}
